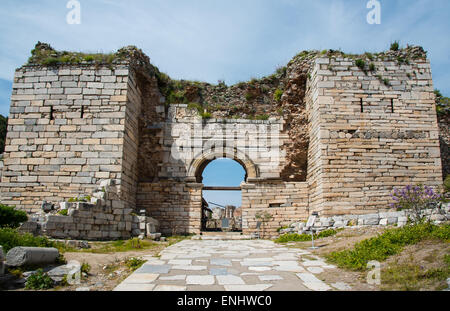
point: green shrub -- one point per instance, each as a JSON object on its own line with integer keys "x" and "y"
{"x": 134, "y": 263}
{"x": 39, "y": 281}
{"x": 50, "y": 61}
{"x": 277, "y": 95}
{"x": 327, "y": 233}
{"x": 206, "y": 115}
{"x": 10, "y": 238}
{"x": 262, "y": 117}
{"x": 282, "y": 228}
{"x": 369, "y": 55}
{"x": 387, "y": 244}
{"x": 196, "y": 106}
{"x": 360, "y": 64}
{"x": 85, "y": 267}
{"x": 63, "y": 212}
{"x": 10, "y": 217}
{"x": 395, "y": 46}
{"x": 249, "y": 96}
{"x": 294, "y": 237}
{"x": 372, "y": 67}
{"x": 281, "y": 71}
{"x": 442, "y": 103}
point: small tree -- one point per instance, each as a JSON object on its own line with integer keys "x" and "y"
{"x": 416, "y": 198}
{"x": 263, "y": 218}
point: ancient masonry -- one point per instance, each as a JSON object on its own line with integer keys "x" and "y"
{"x": 340, "y": 136}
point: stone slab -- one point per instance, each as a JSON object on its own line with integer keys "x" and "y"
{"x": 170, "y": 288}
{"x": 270, "y": 277}
{"x": 315, "y": 270}
{"x": 341, "y": 286}
{"x": 247, "y": 288}
{"x": 220, "y": 262}
{"x": 200, "y": 280}
{"x": 229, "y": 280}
{"x": 180, "y": 277}
{"x": 155, "y": 269}
{"x": 260, "y": 269}
{"x": 123, "y": 287}
{"x": 189, "y": 268}
{"x": 141, "y": 278}
{"x": 313, "y": 283}
{"x": 218, "y": 271}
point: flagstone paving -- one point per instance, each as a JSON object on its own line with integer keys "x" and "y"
{"x": 234, "y": 265}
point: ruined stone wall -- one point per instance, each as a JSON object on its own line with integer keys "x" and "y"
{"x": 189, "y": 142}
{"x": 357, "y": 125}
{"x": 176, "y": 205}
{"x": 376, "y": 130}
{"x": 284, "y": 201}
{"x": 65, "y": 133}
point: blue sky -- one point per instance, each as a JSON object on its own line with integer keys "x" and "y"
{"x": 225, "y": 173}
{"x": 232, "y": 40}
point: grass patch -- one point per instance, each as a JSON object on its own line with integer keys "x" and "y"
{"x": 277, "y": 95}
{"x": 134, "y": 263}
{"x": 295, "y": 237}
{"x": 119, "y": 246}
{"x": 44, "y": 54}
{"x": 178, "y": 238}
{"x": 10, "y": 238}
{"x": 206, "y": 115}
{"x": 63, "y": 212}
{"x": 389, "y": 243}
{"x": 262, "y": 117}
{"x": 413, "y": 277}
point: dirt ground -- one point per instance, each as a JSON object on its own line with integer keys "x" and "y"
{"x": 343, "y": 240}
{"x": 108, "y": 269}
{"x": 408, "y": 268}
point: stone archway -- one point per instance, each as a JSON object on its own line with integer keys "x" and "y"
{"x": 195, "y": 176}
{"x": 200, "y": 162}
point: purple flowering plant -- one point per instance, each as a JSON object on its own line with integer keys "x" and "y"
{"x": 416, "y": 198}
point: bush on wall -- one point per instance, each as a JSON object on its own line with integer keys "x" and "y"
{"x": 10, "y": 217}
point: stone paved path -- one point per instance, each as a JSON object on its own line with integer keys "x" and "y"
{"x": 221, "y": 265}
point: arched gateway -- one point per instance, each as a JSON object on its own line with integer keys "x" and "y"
{"x": 200, "y": 162}
{"x": 319, "y": 135}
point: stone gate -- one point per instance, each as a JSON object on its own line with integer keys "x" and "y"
{"x": 324, "y": 134}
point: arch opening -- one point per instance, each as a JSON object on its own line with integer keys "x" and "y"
{"x": 221, "y": 194}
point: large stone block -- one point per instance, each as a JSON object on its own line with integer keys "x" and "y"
{"x": 20, "y": 256}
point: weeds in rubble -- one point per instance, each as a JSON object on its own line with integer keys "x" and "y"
{"x": 134, "y": 263}
{"x": 389, "y": 243}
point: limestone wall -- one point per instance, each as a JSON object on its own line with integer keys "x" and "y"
{"x": 370, "y": 128}
{"x": 65, "y": 133}
{"x": 189, "y": 141}
{"x": 284, "y": 201}
{"x": 176, "y": 205}
{"x": 370, "y": 131}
